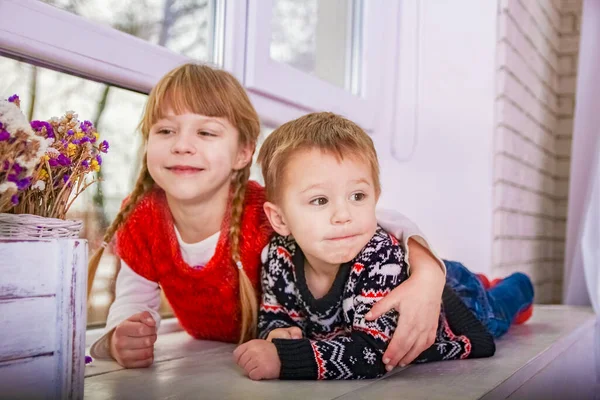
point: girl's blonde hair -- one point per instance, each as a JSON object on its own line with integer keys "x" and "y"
{"x": 203, "y": 90}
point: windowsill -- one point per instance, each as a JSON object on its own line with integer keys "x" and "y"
{"x": 167, "y": 325}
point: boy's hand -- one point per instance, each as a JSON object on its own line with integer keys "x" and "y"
{"x": 293, "y": 332}
{"x": 259, "y": 359}
{"x": 132, "y": 341}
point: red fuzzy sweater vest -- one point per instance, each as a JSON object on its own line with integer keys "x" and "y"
{"x": 205, "y": 300}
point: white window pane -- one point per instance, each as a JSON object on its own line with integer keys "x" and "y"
{"x": 186, "y": 27}
{"x": 317, "y": 37}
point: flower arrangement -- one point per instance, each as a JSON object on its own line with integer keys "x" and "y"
{"x": 21, "y": 151}
{"x": 46, "y": 164}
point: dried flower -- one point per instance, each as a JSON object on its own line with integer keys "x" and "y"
{"x": 20, "y": 149}
{"x": 43, "y": 128}
{"x": 15, "y": 99}
{"x": 47, "y": 178}
{"x": 103, "y": 146}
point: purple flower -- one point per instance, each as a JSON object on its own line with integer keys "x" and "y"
{"x": 14, "y": 99}
{"x": 6, "y": 165}
{"x": 12, "y": 178}
{"x": 84, "y": 139}
{"x": 63, "y": 160}
{"x": 66, "y": 178}
{"x": 76, "y": 141}
{"x": 99, "y": 159}
{"x": 86, "y": 126}
{"x": 70, "y": 132}
{"x": 17, "y": 168}
{"x": 4, "y": 136}
{"x": 103, "y": 146}
{"x": 53, "y": 162}
{"x": 38, "y": 125}
{"x": 15, "y": 199}
{"x": 85, "y": 164}
{"x": 24, "y": 183}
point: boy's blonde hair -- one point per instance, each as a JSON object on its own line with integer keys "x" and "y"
{"x": 200, "y": 89}
{"x": 325, "y": 131}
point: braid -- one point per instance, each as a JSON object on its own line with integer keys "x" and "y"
{"x": 142, "y": 185}
{"x": 249, "y": 304}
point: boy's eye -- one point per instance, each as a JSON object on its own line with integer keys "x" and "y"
{"x": 319, "y": 201}
{"x": 164, "y": 131}
{"x": 206, "y": 133}
{"x": 358, "y": 196}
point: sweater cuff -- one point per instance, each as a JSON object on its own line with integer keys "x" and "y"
{"x": 99, "y": 349}
{"x": 297, "y": 359}
{"x": 462, "y": 321}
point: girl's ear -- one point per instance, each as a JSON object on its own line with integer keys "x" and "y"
{"x": 244, "y": 156}
{"x": 276, "y": 218}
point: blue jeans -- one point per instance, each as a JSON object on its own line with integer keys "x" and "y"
{"x": 497, "y": 307}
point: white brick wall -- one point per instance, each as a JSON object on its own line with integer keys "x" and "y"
{"x": 538, "y": 44}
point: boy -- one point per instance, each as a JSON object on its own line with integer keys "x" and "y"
{"x": 330, "y": 262}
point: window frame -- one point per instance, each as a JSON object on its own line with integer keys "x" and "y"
{"x": 307, "y": 93}
{"x": 72, "y": 44}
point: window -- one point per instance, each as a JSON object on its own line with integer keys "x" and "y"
{"x": 98, "y": 47}
{"x": 186, "y": 27}
{"x": 319, "y": 55}
{"x": 317, "y": 38}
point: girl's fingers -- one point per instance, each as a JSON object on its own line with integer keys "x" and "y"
{"x": 133, "y": 343}
{"x": 135, "y": 355}
{"x": 140, "y": 363}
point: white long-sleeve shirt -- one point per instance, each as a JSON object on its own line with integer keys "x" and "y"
{"x": 135, "y": 294}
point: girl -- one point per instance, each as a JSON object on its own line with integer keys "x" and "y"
{"x": 194, "y": 226}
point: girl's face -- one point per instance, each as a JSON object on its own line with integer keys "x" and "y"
{"x": 192, "y": 156}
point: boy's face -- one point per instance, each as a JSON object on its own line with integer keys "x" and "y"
{"x": 327, "y": 205}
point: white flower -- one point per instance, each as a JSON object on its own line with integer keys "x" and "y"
{"x": 41, "y": 185}
{"x": 31, "y": 164}
{"x": 52, "y": 151}
{"x": 6, "y": 186}
{"x": 13, "y": 119}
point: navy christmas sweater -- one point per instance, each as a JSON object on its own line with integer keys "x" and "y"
{"x": 338, "y": 343}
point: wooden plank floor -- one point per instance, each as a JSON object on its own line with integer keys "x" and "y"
{"x": 186, "y": 368}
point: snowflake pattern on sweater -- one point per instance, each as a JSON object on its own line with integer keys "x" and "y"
{"x": 338, "y": 342}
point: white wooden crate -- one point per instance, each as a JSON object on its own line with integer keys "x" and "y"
{"x": 42, "y": 318}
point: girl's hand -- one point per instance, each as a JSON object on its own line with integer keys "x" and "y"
{"x": 259, "y": 359}
{"x": 132, "y": 341}
{"x": 417, "y": 300}
{"x": 293, "y": 332}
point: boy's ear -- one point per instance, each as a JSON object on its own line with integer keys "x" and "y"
{"x": 276, "y": 218}
{"x": 244, "y": 156}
